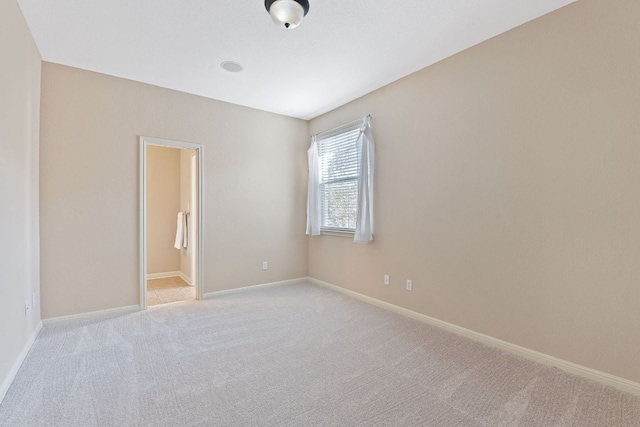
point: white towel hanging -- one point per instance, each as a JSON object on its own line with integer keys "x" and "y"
{"x": 182, "y": 235}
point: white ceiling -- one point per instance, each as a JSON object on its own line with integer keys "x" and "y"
{"x": 342, "y": 50}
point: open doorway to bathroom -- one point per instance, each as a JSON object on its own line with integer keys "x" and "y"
{"x": 170, "y": 221}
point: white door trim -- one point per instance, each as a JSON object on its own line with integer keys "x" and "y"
{"x": 146, "y": 141}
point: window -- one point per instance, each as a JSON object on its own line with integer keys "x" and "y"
{"x": 340, "y": 185}
{"x": 338, "y": 153}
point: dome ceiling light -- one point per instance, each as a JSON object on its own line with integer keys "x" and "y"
{"x": 287, "y": 14}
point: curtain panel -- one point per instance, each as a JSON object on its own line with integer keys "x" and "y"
{"x": 364, "y": 215}
{"x": 313, "y": 190}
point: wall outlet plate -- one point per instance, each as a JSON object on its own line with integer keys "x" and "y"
{"x": 409, "y": 285}
{"x": 265, "y": 265}
{"x": 386, "y": 279}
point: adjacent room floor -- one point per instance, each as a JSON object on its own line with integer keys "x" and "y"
{"x": 291, "y": 355}
{"x": 169, "y": 289}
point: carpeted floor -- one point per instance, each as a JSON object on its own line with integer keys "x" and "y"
{"x": 295, "y": 355}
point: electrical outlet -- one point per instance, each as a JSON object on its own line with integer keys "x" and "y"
{"x": 409, "y": 285}
{"x": 386, "y": 279}
{"x": 26, "y": 309}
{"x": 265, "y": 265}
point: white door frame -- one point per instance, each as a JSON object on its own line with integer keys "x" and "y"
{"x": 146, "y": 141}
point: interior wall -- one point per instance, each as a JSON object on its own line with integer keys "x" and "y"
{"x": 19, "y": 139}
{"x": 507, "y": 189}
{"x": 185, "y": 206}
{"x": 254, "y": 187}
{"x": 163, "y": 205}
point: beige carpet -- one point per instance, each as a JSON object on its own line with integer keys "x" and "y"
{"x": 295, "y": 355}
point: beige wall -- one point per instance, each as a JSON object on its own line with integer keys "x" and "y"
{"x": 19, "y": 251}
{"x": 163, "y": 205}
{"x": 254, "y": 188}
{"x": 508, "y": 185}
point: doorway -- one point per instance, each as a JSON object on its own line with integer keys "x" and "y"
{"x": 170, "y": 221}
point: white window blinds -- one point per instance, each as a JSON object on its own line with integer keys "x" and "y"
{"x": 339, "y": 167}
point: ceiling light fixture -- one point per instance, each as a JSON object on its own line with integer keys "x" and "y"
{"x": 287, "y": 13}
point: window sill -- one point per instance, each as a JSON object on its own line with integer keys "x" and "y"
{"x": 337, "y": 233}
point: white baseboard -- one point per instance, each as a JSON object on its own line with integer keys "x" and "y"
{"x": 536, "y": 356}
{"x": 16, "y": 366}
{"x": 186, "y": 278}
{"x": 92, "y": 315}
{"x": 166, "y": 274}
{"x": 210, "y": 295}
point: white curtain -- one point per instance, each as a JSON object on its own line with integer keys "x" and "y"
{"x": 364, "y": 215}
{"x": 313, "y": 193}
